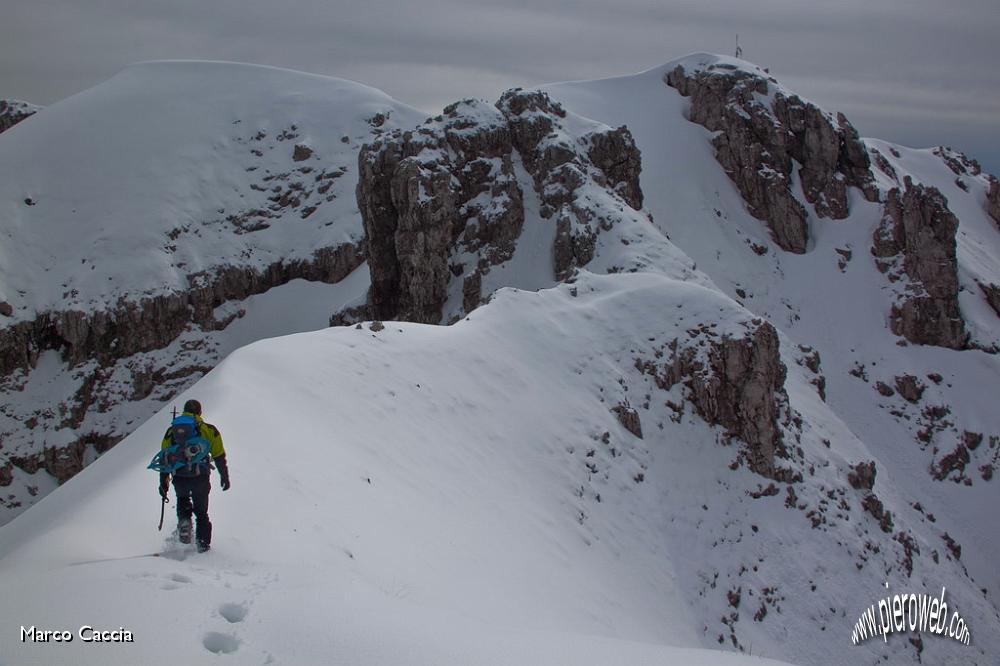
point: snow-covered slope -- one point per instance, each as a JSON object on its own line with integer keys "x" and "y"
{"x": 834, "y": 299}
{"x": 408, "y": 493}
{"x": 138, "y": 218}
{"x": 168, "y": 169}
{"x": 465, "y": 494}
{"x": 721, "y": 432}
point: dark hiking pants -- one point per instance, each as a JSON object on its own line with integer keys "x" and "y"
{"x": 192, "y": 498}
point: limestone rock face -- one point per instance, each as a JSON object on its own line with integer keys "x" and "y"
{"x": 13, "y": 111}
{"x": 911, "y": 388}
{"x": 916, "y": 241}
{"x": 738, "y": 390}
{"x": 862, "y": 475}
{"x": 616, "y": 156}
{"x": 735, "y": 382}
{"x": 62, "y": 462}
{"x": 992, "y": 294}
{"x": 758, "y": 144}
{"x": 960, "y": 163}
{"x": 419, "y": 190}
{"x": 108, "y": 337}
{"x": 444, "y": 201}
{"x": 152, "y": 323}
{"x": 629, "y": 418}
{"x": 993, "y": 200}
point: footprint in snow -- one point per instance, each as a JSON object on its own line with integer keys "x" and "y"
{"x": 140, "y": 575}
{"x": 175, "y": 580}
{"x": 233, "y": 612}
{"x": 220, "y": 643}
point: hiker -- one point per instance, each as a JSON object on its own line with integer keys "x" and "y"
{"x": 191, "y": 481}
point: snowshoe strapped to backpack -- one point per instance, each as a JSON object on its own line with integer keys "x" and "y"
{"x": 188, "y": 453}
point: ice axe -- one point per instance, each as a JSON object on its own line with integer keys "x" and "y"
{"x": 166, "y": 500}
{"x": 163, "y": 505}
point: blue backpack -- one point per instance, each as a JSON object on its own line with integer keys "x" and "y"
{"x": 188, "y": 453}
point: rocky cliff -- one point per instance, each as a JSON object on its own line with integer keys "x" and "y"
{"x": 993, "y": 200}
{"x": 446, "y": 200}
{"x": 102, "y": 343}
{"x": 689, "y": 395}
{"x": 218, "y": 183}
{"x": 737, "y": 382}
{"x": 763, "y": 133}
{"x": 152, "y": 323}
{"x": 915, "y": 247}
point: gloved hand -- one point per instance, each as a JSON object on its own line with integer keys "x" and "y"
{"x": 164, "y": 485}
{"x": 220, "y": 464}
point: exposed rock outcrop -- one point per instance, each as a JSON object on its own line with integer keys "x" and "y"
{"x": 911, "y": 388}
{"x": 738, "y": 390}
{"x": 960, "y": 163}
{"x": 418, "y": 191}
{"x": 916, "y": 240}
{"x": 757, "y": 142}
{"x": 153, "y": 322}
{"x": 735, "y": 382}
{"x": 13, "y": 111}
{"x": 616, "y": 156}
{"x": 883, "y": 165}
{"x": 444, "y": 200}
{"x": 862, "y": 475}
{"x": 884, "y": 389}
{"x": 62, "y": 462}
{"x": 992, "y": 294}
{"x": 110, "y": 337}
{"x": 873, "y": 505}
{"x": 629, "y": 418}
{"x": 993, "y": 199}
{"x": 301, "y": 152}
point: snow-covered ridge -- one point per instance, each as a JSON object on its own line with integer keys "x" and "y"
{"x": 132, "y": 212}
{"x": 511, "y": 495}
{"x": 172, "y": 156}
{"x": 884, "y": 450}
{"x": 520, "y": 193}
{"x": 941, "y": 440}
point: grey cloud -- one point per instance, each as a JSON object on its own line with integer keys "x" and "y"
{"x": 911, "y": 71}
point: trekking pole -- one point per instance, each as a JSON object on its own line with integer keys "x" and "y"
{"x": 163, "y": 505}
{"x": 166, "y": 500}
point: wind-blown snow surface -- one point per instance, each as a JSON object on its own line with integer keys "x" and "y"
{"x": 419, "y": 495}
{"x": 294, "y": 307}
{"x": 148, "y": 184}
{"x": 172, "y": 150}
{"x": 448, "y": 495}
{"x": 840, "y": 310}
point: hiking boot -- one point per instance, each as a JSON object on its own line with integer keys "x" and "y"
{"x": 202, "y": 547}
{"x": 184, "y": 531}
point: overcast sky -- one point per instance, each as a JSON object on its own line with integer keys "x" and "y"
{"x": 918, "y": 72}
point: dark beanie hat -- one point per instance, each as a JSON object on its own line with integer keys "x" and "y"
{"x": 192, "y": 406}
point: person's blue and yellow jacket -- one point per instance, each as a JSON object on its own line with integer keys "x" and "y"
{"x": 206, "y": 430}
{"x": 210, "y": 433}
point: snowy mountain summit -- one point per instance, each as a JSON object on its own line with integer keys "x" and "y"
{"x": 661, "y": 368}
